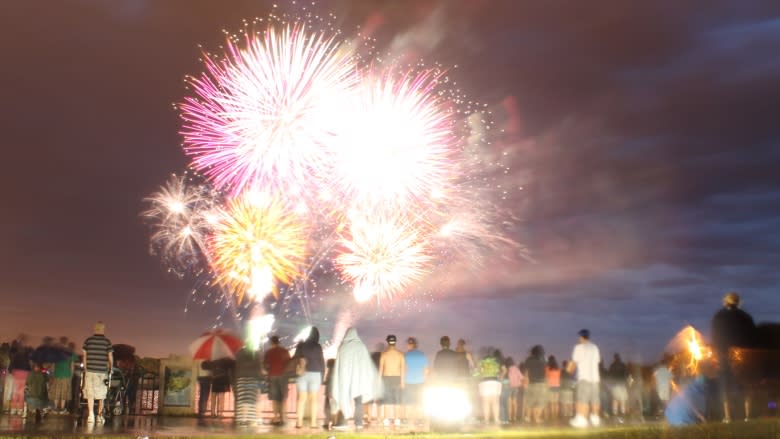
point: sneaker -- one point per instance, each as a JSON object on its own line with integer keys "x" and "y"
{"x": 595, "y": 420}
{"x": 90, "y": 419}
{"x": 578, "y": 422}
{"x": 100, "y": 419}
{"x": 358, "y": 427}
{"x": 397, "y": 422}
{"x": 726, "y": 420}
{"x": 386, "y": 422}
{"x": 341, "y": 427}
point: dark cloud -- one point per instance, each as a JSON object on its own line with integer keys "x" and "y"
{"x": 643, "y": 136}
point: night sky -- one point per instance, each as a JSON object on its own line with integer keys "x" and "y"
{"x": 644, "y": 135}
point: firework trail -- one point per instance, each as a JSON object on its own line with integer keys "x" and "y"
{"x": 383, "y": 256}
{"x": 263, "y": 116}
{"x": 257, "y": 242}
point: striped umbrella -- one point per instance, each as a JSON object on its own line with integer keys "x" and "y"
{"x": 214, "y": 345}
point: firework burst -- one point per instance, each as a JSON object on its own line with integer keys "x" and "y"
{"x": 263, "y": 116}
{"x": 257, "y": 242}
{"x": 383, "y": 257}
{"x": 396, "y": 146}
{"x": 181, "y": 217}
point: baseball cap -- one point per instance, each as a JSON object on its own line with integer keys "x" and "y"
{"x": 584, "y": 333}
{"x": 390, "y": 339}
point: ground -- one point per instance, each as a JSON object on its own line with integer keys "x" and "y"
{"x": 135, "y": 427}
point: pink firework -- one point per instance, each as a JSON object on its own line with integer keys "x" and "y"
{"x": 397, "y": 145}
{"x": 263, "y": 115}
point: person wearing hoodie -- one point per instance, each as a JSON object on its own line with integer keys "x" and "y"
{"x": 309, "y": 355}
{"x": 354, "y": 378}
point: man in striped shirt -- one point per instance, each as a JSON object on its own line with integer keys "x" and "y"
{"x": 98, "y": 361}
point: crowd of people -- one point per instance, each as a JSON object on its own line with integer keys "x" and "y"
{"x": 389, "y": 386}
{"x": 42, "y": 380}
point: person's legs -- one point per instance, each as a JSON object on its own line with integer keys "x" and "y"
{"x": 359, "y": 412}
{"x": 301, "y": 408}
{"x": 313, "y": 407}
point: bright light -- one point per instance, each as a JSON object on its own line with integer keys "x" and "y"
{"x": 448, "y": 404}
{"x": 303, "y": 335}
{"x": 259, "y": 328}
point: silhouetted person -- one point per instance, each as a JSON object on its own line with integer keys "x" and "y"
{"x": 731, "y": 327}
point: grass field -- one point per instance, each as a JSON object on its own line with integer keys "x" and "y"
{"x": 763, "y": 429}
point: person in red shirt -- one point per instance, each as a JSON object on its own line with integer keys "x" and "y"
{"x": 276, "y": 360}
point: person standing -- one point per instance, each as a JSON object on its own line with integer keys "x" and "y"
{"x": 552, "y": 375}
{"x": 585, "y": 360}
{"x": 489, "y": 369}
{"x": 414, "y": 380}
{"x": 536, "y": 392}
{"x": 19, "y": 368}
{"x": 204, "y": 386}
{"x": 663, "y": 383}
{"x": 731, "y": 328}
{"x": 618, "y": 379}
{"x": 392, "y": 367}
{"x": 515, "y": 386}
{"x": 311, "y": 360}
{"x": 275, "y": 361}
{"x": 353, "y": 378}
{"x": 59, "y": 388}
{"x": 98, "y": 361}
{"x": 248, "y": 364}
{"x": 447, "y": 368}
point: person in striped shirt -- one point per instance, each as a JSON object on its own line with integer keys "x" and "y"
{"x": 98, "y": 361}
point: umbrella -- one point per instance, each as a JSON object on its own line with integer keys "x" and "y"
{"x": 124, "y": 352}
{"x": 49, "y": 354}
{"x": 215, "y": 344}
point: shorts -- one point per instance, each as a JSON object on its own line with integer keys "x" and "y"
{"x": 309, "y": 382}
{"x": 567, "y": 396}
{"x": 619, "y": 392}
{"x": 392, "y": 395}
{"x": 59, "y": 390}
{"x": 489, "y": 388}
{"x": 277, "y": 388}
{"x": 34, "y": 403}
{"x": 588, "y": 392}
{"x": 413, "y": 394}
{"x": 513, "y": 392}
{"x": 536, "y": 395}
{"x": 95, "y": 385}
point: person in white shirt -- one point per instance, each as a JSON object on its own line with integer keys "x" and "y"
{"x": 585, "y": 359}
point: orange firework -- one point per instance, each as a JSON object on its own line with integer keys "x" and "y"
{"x": 257, "y": 242}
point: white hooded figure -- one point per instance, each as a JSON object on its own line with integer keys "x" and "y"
{"x": 354, "y": 375}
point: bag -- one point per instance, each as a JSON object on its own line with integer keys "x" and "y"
{"x": 300, "y": 368}
{"x": 295, "y": 367}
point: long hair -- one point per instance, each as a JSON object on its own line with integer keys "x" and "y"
{"x": 552, "y": 363}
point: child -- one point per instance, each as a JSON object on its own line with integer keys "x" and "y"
{"x": 35, "y": 391}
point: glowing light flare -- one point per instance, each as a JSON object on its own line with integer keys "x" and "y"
{"x": 382, "y": 257}
{"x": 396, "y": 143}
{"x": 691, "y": 350}
{"x": 263, "y": 115}
{"x": 257, "y": 242}
{"x": 258, "y": 329}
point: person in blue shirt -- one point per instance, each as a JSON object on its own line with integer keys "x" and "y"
{"x": 689, "y": 406}
{"x": 414, "y": 379}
